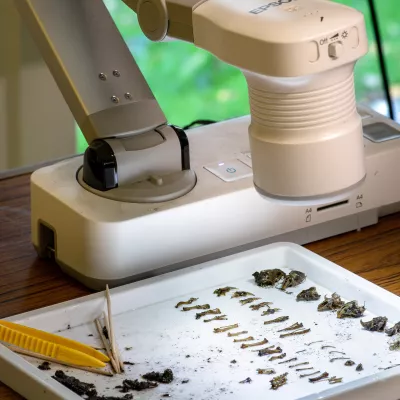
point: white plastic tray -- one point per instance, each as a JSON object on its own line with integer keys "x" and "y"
{"x": 145, "y": 318}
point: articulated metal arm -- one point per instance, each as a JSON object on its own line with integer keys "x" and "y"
{"x": 133, "y": 155}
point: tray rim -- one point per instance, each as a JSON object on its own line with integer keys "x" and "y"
{"x": 41, "y": 380}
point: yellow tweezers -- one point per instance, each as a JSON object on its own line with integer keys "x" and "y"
{"x": 51, "y": 345}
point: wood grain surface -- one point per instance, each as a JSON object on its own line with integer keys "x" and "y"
{"x": 27, "y": 283}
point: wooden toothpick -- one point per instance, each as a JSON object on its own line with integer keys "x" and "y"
{"x": 107, "y": 346}
{"x": 107, "y": 323}
{"x": 111, "y": 331}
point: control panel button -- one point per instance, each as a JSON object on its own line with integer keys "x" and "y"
{"x": 335, "y": 49}
{"x": 380, "y": 132}
{"x": 230, "y": 171}
{"x": 354, "y": 38}
{"x": 247, "y": 159}
{"x": 313, "y": 52}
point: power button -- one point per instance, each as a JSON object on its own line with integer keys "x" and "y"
{"x": 229, "y": 171}
{"x": 335, "y": 49}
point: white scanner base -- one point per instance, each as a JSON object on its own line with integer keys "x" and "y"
{"x": 100, "y": 241}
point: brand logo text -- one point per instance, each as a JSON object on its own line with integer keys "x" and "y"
{"x": 266, "y": 7}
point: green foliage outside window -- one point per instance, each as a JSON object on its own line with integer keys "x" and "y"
{"x": 191, "y": 84}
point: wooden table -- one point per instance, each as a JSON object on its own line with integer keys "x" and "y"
{"x": 27, "y": 283}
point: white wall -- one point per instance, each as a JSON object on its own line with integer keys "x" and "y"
{"x": 35, "y": 123}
